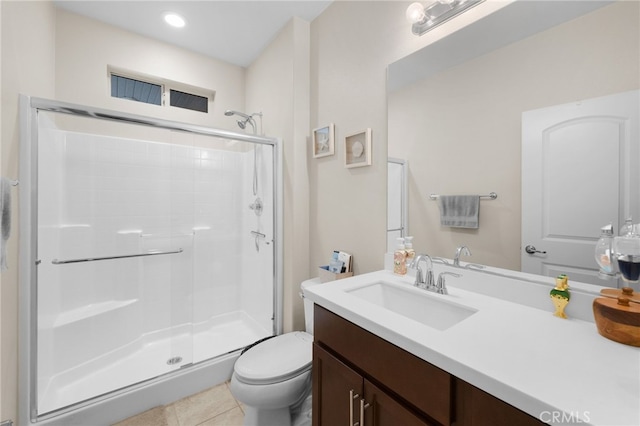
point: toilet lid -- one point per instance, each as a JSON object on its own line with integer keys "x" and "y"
{"x": 276, "y": 359}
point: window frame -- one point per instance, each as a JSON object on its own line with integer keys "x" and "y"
{"x": 166, "y": 86}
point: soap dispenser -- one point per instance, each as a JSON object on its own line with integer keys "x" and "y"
{"x": 604, "y": 253}
{"x": 400, "y": 258}
{"x": 408, "y": 247}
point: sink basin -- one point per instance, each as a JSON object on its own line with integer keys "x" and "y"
{"x": 420, "y": 305}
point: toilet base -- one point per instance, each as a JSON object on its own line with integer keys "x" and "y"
{"x": 301, "y": 415}
{"x": 298, "y": 416}
{"x": 263, "y": 417}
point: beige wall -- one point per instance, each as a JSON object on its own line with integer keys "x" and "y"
{"x": 277, "y": 84}
{"x": 349, "y": 55}
{"x": 86, "y": 47}
{"x": 460, "y": 129}
{"x": 352, "y": 43}
{"x": 28, "y": 32}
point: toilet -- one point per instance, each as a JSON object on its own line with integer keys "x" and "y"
{"x": 273, "y": 378}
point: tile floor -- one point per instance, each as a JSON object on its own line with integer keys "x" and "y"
{"x": 213, "y": 407}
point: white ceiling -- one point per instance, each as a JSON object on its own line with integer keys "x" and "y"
{"x": 232, "y": 31}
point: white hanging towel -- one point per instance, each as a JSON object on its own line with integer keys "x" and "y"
{"x": 5, "y": 220}
{"x": 459, "y": 211}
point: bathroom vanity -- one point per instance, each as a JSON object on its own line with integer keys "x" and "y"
{"x": 348, "y": 362}
{"x": 480, "y": 359}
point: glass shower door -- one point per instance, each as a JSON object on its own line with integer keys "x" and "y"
{"x": 233, "y": 247}
{"x": 115, "y": 275}
{"x": 152, "y": 253}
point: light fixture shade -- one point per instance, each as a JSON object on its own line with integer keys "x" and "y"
{"x": 415, "y": 13}
{"x": 438, "y": 13}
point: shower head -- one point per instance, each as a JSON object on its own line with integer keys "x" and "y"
{"x": 247, "y": 119}
{"x": 229, "y": 113}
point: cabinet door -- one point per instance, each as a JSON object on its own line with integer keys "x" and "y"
{"x": 382, "y": 410}
{"x": 475, "y": 407}
{"x": 337, "y": 391}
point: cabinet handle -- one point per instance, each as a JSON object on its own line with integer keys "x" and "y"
{"x": 352, "y": 396}
{"x": 363, "y": 406}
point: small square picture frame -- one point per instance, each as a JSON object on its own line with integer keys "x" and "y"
{"x": 323, "y": 141}
{"x": 357, "y": 149}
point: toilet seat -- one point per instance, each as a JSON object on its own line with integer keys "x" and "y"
{"x": 275, "y": 360}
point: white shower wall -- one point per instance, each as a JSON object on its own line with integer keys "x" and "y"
{"x": 105, "y": 196}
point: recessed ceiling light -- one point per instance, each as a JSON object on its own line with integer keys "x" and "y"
{"x": 174, "y": 19}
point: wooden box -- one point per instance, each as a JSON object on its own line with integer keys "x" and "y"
{"x": 618, "y": 319}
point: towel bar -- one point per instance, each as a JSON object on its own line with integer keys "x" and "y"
{"x": 492, "y": 195}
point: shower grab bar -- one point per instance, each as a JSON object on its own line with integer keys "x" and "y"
{"x": 92, "y": 259}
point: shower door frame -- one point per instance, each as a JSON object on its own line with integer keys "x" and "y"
{"x": 28, "y": 262}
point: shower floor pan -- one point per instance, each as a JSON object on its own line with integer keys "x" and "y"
{"x": 160, "y": 356}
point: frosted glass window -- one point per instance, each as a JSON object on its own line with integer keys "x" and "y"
{"x": 136, "y": 90}
{"x": 189, "y": 101}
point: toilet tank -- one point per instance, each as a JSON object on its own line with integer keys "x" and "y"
{"x": 308, "y": 304}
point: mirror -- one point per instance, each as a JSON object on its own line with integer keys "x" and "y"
{"x": 455, "y": 109}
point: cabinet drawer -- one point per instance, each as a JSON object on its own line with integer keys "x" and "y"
{"x": 426, "y": 387}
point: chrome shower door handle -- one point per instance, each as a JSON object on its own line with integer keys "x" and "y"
{"x": 124, "y": 256}
{"x": 532, "y": 250}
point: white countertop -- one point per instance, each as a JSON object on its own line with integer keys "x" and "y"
{"x": 560, "y": 371}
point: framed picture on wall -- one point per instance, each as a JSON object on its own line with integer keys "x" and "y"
{"x": 357, "y": 149}
{"x": 322, "y": 141}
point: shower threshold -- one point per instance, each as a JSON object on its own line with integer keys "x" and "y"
{"x": 218, "y": 336}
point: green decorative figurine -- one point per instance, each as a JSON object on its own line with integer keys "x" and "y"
{"x": 560, "y": 295}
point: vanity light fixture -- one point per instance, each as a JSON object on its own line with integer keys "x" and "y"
{"x": 174, "y": 19}
{"x": 435, "y": 13}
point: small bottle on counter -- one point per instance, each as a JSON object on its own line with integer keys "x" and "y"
{"x": 560, "y": 295}
{"x": 627, "y": 228}
{"x": 400, "y": 258}
{"x": 408, "y": 247}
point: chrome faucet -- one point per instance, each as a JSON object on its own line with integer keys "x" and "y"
{"x": 423, "y": 280}
{"x": 460, "y": 250}
{"x": 441, "y": 286}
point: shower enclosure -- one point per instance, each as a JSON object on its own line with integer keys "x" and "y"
{"x": 141, "y": 261}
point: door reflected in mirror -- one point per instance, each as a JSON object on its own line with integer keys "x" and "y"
{"x": 397, "y": 203}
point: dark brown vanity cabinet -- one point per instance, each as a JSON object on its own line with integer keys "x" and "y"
{"x": 346, "y": 397}
{"x": 393, "y": 386}
{"x": 357, "y": 374}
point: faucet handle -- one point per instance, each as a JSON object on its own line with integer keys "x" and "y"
{"x": 419, "y": 280}
{"x": 474, "y": 266}
{"x": 429, "y": 280}
{"x": 441, "y": 286}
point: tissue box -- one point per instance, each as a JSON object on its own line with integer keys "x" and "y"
{"x": 325, "y": 275}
